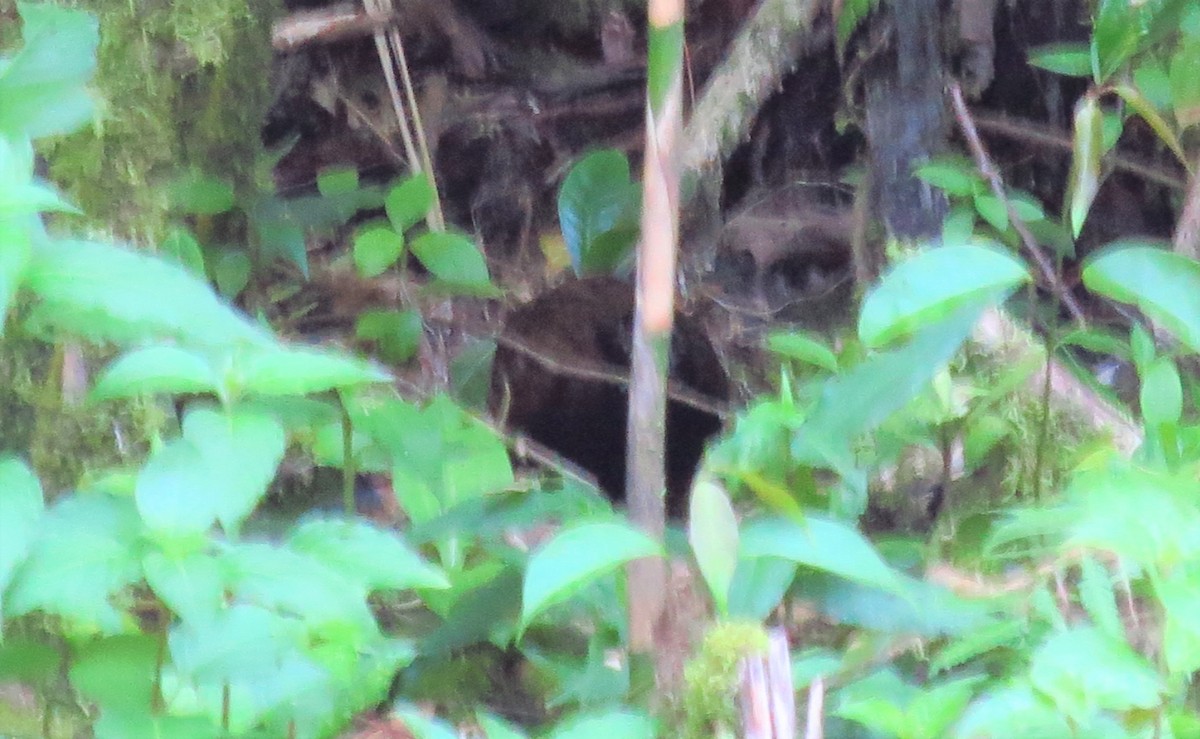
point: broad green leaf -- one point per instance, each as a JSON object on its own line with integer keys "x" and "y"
{"x": 181, "y": 247}
{"x": 1027, "y": 207}
{"x": 106, "y": 292}
{"x": 1165, "y": 131}
{"x": 1088, "y": 148}
{"x": 241, "y": 640}
{"x": 288, "y": 370}
{"x": 862, "y": 397}
{"x": 993, "y": 210}
{"x": 713, "y": 533}
{"x": 376, "y": 247}
{"x": 917, "y": 292}
{"x": 375, "y": 559}
{"x": 802, "y": 347}
{"x": 396, "y": 333}
{"x": 156, "y": 369}
{"x": 1115, "y": 36}
{"x": 201, "y": 195}
{"x": 333, "y": 181}
{"x": 175, "y": 494}
{"x": 1164, "y": 285}
{"x": 624, "y": 724}
{"x": 277, "y": 240}
{"x": 454, "y": 261}
{"x": 471, "y": 373}
{"x": 1179, "y": 594}
{"x": 596, "y": 197}
{"x": 1013, "y": 709}
{"x": 576, "y": 557}
{"x": 28, "y": 660}
{"x": 983, "y": 432}
{"x": 1098, "y": 597}
{"x": 422, "y": 726}
{"x": 43, "y": 84}
{"x": 1151, "y": 79}
{"x": 822, "y": 544}
{"x": 240, "y": 449}
{"x": 976, "y": 642}
{"x": 231, "y": 272}
{"x": 758, "y": 586}
{"x": 118, "y": 672}
{"x": 1081, "y": 669}
{"x": 192, "y": 585}
{"x": 1071, "y": 59}
{"x": 955, "y": 175}
{"x": 959, "y": 226}
{"x": 1162, "y": 394}
{"x": 407, "y": 203}
{"x": 298, "y": 584}
{"x": 88, "y": 548}
{"x": 21, "y": 509}
{"x": 497, "y": 728}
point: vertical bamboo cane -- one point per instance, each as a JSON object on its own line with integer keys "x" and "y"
{"x": 646, "y": 476}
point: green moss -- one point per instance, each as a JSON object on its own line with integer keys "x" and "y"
{"x": 63, "y": 442}
{"x": 711, "y": 679}
{"x": 182, "y": 86}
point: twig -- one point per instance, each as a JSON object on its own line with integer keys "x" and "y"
{"x": 992, "y": 174}
{"x": 1037, "y": 134}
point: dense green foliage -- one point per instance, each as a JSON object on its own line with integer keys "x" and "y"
{"x": 144, "y": 598}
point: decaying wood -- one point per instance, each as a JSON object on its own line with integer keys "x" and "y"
{"x": 325, "y": 26}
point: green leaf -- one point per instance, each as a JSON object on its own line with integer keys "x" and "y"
{"x": 21, "y": 509}
{"x": 242, "y": 639}
{"x": 87, "y": 549}
{"x": 713, "y": 533}
{"x": 758, "y": 586}
{"x": 231, "y": 272}
{"x": 454, "y": 261}
{"x": 175, "y": 492}
{"x": 1098, "y": 597}
{"x": 397, "y": 333}
{"x": 201, "y": 195}
{"x": 624, "y": 724}
{"x": 156, "y": 369}
{"x": 916, "y": 291}
{"x": 1114, "y": 36}
{"x": 1179, "y": 594}
{"x": 119, "y": 673}
{"x": 43, "y": 85}
{"x": 596, "y": 197}
{"x": 106, "y": 292}
{"x": 1088, "y": 147}
{"x": 241, "y": 449}
{"x": 802, "y": 347}
{"x": 1165, "y": 132}
{"x": 1071, "y": 59}
{"x": 1081, "y": 669}
{"x": 181, "y": 247}
{"x": 471, "y": 373}
{"x": 192, "y": 585}
{"x": 852, "y": 14}
{"x": 955, "y": 175}
{"x": 407, "y": 203}
{"x": 287, "y": 370}
{"x": 1162, "y": 284}
{"x": 333, "y": 181}
{"x": 576, "y": 557}
{"x": 993, "y": 210}
{"x": 370, "y": 557}
{"x": 422, "y": 726}
{"x": 861, "y": 398}
{"x": 297, "y": 584}
{"x": 1162, "y": 394}
{"x": 376, "y": 247}
{"x": 822, "y": 544}
{"x": 496, "y": 728}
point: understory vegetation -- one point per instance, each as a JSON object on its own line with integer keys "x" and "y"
{"x": 949, "y": 551}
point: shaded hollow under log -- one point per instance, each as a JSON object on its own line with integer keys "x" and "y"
{"x": 561, "y": 374}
